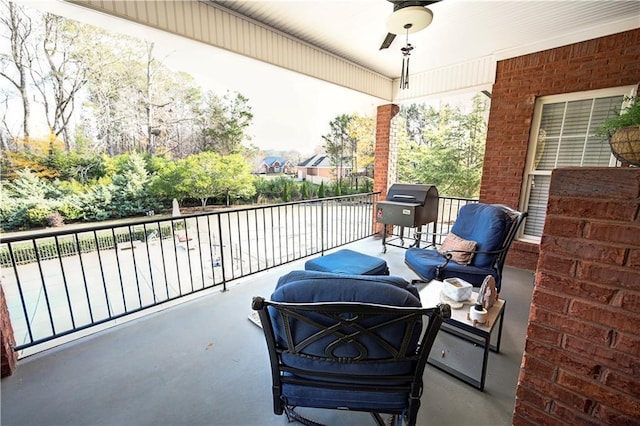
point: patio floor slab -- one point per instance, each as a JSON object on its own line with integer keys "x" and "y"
{"x": 203, "y": 362}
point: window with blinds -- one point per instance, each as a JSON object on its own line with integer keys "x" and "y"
{"x": 564, "y": 136}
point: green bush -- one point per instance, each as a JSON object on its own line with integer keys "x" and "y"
{"x": 321, "y": 190}
{"x": 304, "y": 190}
{"x": 37, "y": 215}
{"x": 286, "y": 192}
{"x": 70, "y": 208}
{"x": 96, "y": 203}
{"x": 24, "y": 252}
{"x": 13, "y": 214}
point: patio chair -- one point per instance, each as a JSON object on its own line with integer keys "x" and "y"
{"x": 477, "y": 246}
{"x": 347, "y": 342}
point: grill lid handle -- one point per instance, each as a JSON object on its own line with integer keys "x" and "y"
{"x": 404, "y": 197}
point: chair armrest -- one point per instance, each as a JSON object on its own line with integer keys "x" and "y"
{"x": 440, "y": 268}
{"x": 448, "y": 252}
{"x": 447, "y": 256}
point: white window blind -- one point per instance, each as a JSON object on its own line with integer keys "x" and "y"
{"x": 564, "y": 136}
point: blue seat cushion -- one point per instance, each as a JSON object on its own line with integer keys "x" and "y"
{"x": 317, "y": 278}
{"x": 308, "y": 396}
{"x": 314, "y": 286}
{"x": 348, "y": 262}
{"x": 485, "y": 224}
{"x": 424, "y": 263}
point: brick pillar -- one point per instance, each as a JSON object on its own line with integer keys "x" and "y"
{"x": 384, "y": 151}
{"x": 580, "y": 364}
{"x": 7, "y": 354}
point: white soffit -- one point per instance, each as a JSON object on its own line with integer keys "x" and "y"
{"x": 230, "y": 31}
{"x": 338, "y": 41}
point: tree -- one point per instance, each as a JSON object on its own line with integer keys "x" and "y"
{"x": 322, "y": 190}
{"x": 338, "y": 142}
{"x": 225, "y": 122}
{"x": 112, "y": 84}
{"x": 27, "y": 185}
{"x": 304, "y": 190}
{"x": 39, "y": 156}
{"x": 200, "y": 176}
{"x": 19, "y": 28}
{"x": 130, "y": 196}
{"x": 167, "y": 178}
{"x": 449, "y": 151}
{"x": 65, "y": 72}
{"x": 234, "y": 179}
{"x": 362, "y": 131}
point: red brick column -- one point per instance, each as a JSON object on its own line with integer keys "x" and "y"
{"x": 580, "y": 364}
{"x": 7, "y": 341}
{"x": 383, "y": 151}
{"x": 603, "y": 62}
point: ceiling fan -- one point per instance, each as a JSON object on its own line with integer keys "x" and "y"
{"x": 408, "y": 17}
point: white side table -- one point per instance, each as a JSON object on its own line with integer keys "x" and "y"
{"x": 480, "y": 334}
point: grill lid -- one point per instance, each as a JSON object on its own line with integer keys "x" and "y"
{"x": 411, "y": 193}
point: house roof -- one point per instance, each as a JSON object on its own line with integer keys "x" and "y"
{"x": 318, "y": 160}
{"x": 323, "y": 160}
{"x": 270, "y": 161}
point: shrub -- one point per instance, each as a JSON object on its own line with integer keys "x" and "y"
{"x": 13, "y": 214}
{"x": 37, "y": 215}
{"x": 337, "y": 191}
{"x": 321, "y": 190}
{"x": 304, "y": 190}
{"x": 286, "y": 192}
{"x": 54, "y": 220}
{"x": 70, "y": 209}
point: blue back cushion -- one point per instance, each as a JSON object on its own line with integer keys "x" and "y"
{"x": 312, "y": 286}
{"x": 485, "y": 224}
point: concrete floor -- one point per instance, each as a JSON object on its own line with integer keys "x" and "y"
{"x": 204, "y": 363}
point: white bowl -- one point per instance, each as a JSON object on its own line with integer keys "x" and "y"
{"x": 457, "y": 289}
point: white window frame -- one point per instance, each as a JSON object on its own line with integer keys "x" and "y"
{"x": 530, "y": 172}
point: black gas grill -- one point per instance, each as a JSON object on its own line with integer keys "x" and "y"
{"x": 410, "y": 206}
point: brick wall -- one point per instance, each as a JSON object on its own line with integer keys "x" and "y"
{"x": 8, "y": 357}
{"x": 580, "y": 364}
{"x": 382, "y": 158}
{"x": 600, "y": 63}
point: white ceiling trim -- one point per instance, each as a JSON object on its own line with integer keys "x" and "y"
{"x": 474, "y": 75}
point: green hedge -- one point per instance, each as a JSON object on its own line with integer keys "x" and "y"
{"x": 25, "y": 253}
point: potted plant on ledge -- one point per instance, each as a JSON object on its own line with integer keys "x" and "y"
{"x": 623, "y": 132}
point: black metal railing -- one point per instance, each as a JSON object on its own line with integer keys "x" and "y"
{"x": 61, "y": 282}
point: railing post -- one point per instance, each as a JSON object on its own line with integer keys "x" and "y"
{"x": 322, "y": 204}
{"x": 222, "y": 262}
{"x": 7, "y": 341}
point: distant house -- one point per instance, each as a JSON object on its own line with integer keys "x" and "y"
{"x": 275, "y": 165}
{"x": 319, "y": 168}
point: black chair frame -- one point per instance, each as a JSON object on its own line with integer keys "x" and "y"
{"x": 346, "y": 327}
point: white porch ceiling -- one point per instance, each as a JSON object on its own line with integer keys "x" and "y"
{"x": 461, "y": 31}
{"x": 338, "y": 41}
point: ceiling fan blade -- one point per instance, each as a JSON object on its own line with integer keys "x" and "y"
{"x": 387, "y": 41}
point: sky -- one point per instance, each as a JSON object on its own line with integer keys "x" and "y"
{"x": 290, "y": 111}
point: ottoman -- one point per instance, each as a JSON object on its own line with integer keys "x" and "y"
{"x": 348, "y": 262}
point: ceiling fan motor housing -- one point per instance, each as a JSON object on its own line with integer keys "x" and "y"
{"x": 409, "y": 19}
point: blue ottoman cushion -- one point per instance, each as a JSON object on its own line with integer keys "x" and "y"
{"x": 348, "y": 262}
